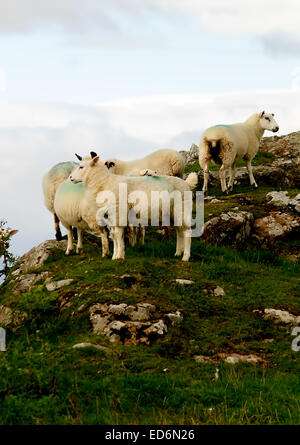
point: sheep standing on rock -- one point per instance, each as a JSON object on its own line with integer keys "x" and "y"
{"x": 228, "y": 144}
{"x": 164, "y": 162}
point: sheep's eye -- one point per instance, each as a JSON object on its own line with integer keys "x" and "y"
{"x": 80, "y": 167}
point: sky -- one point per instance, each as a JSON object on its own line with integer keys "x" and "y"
{"x": 126, "y": 77}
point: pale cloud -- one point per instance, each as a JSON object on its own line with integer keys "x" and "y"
{"x": 72, "y": 15}
{"x": 281, "y": 44}
{"x": 235, "y": 17}
{"x": 33, "y": 137}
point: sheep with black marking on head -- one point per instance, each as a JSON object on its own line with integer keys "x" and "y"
{"x": 96, "y": 178}
{"x": 164, "y": 162}
{"x": 227, "y": 144}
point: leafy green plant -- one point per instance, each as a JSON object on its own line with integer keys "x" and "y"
{"x": 8, "y": 258}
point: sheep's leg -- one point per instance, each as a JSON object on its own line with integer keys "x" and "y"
{"x": 70, "y": 245}
{"x": 250, "y": 173}
{"x": 179, "y": 241}
{"x": 119, "y": 236}
{"x": 105, "y": 243}
{"x": 113, "y": 237}
{"x": 142, "y": 235}
{"x": 231, "y": 177}
{"x": 223, "y": 178}
{"x": 187, "y": 245}
{"x": 58, "y": 234}
{"x": 132, "y": 234}
{"x": 79, "y": 241}
{"x": 206, "y": 177}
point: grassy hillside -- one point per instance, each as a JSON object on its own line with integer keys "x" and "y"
{"x": 43, "y": 380}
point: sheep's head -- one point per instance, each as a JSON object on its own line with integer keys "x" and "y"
{"x": 111, "y": 164}
{"x": 81, "y": 172}
{"x": 268, "y": 122}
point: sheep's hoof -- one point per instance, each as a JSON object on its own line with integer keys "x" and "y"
{"x": 254, "y": 186}
{"x": 185, "y": 257}
{"x": 225, "y": 192}
{"x": 79, "y": 250}
{"x": 69, "y": 251}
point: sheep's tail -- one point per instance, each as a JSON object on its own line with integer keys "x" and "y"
{"x": 217, "y": 149}
{"x": 177, "y": 166}
{"x": 192, "y": 180}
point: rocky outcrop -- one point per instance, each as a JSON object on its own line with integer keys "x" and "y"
{"x": 129, "y": 324}
{"x": 286, "y": 146}
{"x": 36, "y": 257}
{"x": 279, "y": 316}
{"x": 10, "y": 318}
{"x": 230, "y": 228}
{"x": 55, "y": 285}
{"x": 27, "y": 281}
{"x": 277, "y": 225}
{"x": 191, "y": 155}
{"x": 283, "y": 201}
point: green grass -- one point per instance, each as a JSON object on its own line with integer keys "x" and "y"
{"x": 43, "y": 380}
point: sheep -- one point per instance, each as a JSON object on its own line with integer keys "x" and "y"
{"x": 51, "y": 180}
{"x": 165, "y": 162}
{"x": 228, "y": 144}
{"x": 96, "y": 178}
{"x": 74, "y": 207}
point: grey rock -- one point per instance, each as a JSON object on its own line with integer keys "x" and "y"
{"x": 219, "y": 292}
{"x": 117, "y": 309}
{"x": 27, "y": 281}
{"x": 237, "y": 358}
{"x": 142, "y": 312}
{"x": 184, "y": 282}
{"x": 36, "y": 257}
{"x": 230, "y": 228}
{"x": 11, "y": 318}
{"x": 275, "y": 226}
{"x": 55, "y": 285}
{"x": 204, "y": 359}
{"x": 91, "y": 345}
{"x": 280, "y": 316}
{"x": 175, "y": 318}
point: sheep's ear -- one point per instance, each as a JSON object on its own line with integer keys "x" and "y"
{"x": 78, "y": 157}
{"x": 13, "y": 232}
{"x": 94, "y": 161}
{"x": 93, "y": 154}
{"x": 262, "y": 113}
{"x": 109, "y": 164}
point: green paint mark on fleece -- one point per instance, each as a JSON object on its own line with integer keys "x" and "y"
{"x": 68, "y": 187}
{"x": 63, "y": 167}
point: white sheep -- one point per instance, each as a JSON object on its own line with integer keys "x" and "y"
{"x": 228, "y": 144}
{"x": 74, "y": 207}
{"x": 51, "y": 180}
{"x": 164, "y": 162}
{"x": 96, "y": 178}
